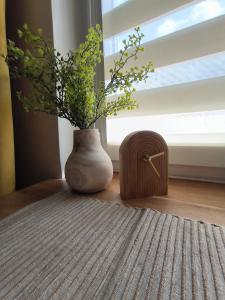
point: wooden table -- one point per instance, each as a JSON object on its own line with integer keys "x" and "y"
{"x": 189, "y": 199}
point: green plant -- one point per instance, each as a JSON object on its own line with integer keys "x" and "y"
{"x": 64, "y": 86}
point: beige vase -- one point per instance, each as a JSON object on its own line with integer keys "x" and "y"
{"x": 88, "y": 168}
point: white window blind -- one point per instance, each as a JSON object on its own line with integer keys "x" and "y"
{"x": 184, "y": 100}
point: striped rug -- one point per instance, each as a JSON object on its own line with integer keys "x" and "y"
{"x": 70, "y": 247}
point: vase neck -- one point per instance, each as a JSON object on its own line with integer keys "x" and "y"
{"x": 86, "y": 138}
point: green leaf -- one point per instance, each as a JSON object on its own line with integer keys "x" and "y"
{"x": 20, "y": 33}
{"x": 65, "y": 85}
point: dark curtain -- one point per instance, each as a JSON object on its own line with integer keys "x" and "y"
{"x": 35, "y": 134}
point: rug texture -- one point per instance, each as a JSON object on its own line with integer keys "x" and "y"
{"x": 72, "y": 247}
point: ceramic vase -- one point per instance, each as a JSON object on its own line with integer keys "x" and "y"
{"x": 88, "y": 168}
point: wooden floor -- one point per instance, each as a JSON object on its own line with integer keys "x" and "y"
{"x": 189, "y": 199}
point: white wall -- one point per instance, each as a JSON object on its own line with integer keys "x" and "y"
{"x": 67, "y": 32}
{"x": 71, "y": 20}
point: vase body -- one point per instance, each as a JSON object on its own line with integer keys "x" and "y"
{"x": 88, "y": 168}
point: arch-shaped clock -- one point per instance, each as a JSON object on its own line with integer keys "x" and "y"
{"x": 143, "y": 165}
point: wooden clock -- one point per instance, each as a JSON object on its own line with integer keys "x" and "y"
{"x": 143, "y": 165}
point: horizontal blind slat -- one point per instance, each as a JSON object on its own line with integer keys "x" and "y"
{"x": 204, "y": 95}
{"x": 135, "y": 12}
{"x": 192, "y": 155}
{"x": 196, "y": 41}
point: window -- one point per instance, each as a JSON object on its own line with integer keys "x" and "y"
{"x": 108, "y": 5}
{"x": 204, "y": 128}
{"x": 210, "y": 66}
{"x": 170, "y": 23}
{"x": 184, "y": 99}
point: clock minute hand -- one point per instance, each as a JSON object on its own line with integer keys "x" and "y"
{"x": 154, "y": 168}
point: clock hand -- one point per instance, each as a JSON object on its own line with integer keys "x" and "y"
{"x": 149, "y": 159}
{"x": 154, "y": 168}
{"x": 156, "y": 155}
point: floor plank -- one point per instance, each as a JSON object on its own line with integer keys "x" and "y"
{"x": 189, "y": 199}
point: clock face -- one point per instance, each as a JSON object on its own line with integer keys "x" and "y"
{"x": 143, "y": 165}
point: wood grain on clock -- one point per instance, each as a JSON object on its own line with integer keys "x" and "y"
{"x": 143, "y": 165}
